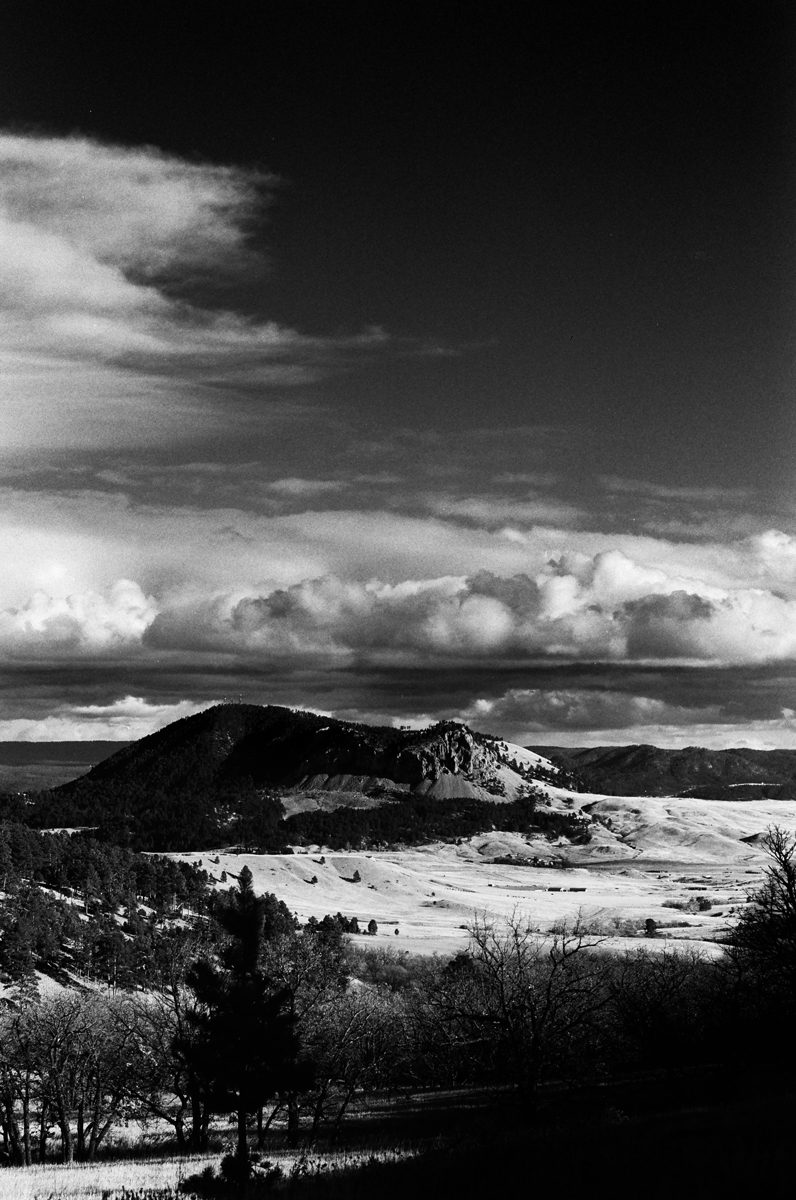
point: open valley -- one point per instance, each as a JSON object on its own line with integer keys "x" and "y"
{"x": 687, "y": 865}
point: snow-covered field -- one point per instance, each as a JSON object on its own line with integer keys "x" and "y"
{"x": 686, "y": 830}
{"x": 658, "y": 857}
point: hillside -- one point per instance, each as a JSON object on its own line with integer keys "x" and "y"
{"x": 302, "y": 752}
{"x": 267, "y": 778}
{"x": 270, "y": 776}
{"x": 735, "y": 774}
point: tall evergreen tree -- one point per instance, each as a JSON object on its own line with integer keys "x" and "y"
{"x": 242, "y": 1045}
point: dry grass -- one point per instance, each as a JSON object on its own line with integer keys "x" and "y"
{"x": 89, "y": 1180}
{"x": 107, "y": 1180}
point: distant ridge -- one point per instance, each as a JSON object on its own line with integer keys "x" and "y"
{"x": 85, "y": 754}
{"x": 643, "y": 770}
{"x": 31, "y": 766}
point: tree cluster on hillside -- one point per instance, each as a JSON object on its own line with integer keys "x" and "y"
{"x": 70, "y": 905}
{"x": 562, "y": 775}
{"x": 256, "y": 1019}
{"x": 145, "y": 816}
{"x": 97, "y": 871}
{"x": 417, "y": 819}
{"x": 246, "y": 815}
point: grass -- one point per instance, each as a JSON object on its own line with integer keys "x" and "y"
{"x": 680, "y": 1133}
{"x": 159, "y": 1178}
{"x": 51, "y": 1181}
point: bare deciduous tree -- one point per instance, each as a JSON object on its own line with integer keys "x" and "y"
{"x": 521, "y": 1001}
{"x": 73, "y": 1058}
{"x": 659, "y": 999}
{"x": 358, "y": 1040}
{"x": 763, "y": 944}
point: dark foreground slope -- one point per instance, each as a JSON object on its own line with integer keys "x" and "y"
{"x": 736, "y": 774}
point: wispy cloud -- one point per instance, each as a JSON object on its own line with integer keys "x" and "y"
{"x": 491, "y": 511}
{"x": 295, "y": 486}
{"x": 667, "y": 492}
{"x": 120, "y": 269}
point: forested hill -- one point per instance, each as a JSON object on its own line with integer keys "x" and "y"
{"x": 736, "y": 774}
{"x": 272, "y": 746}
{"x": 268, "y": 776}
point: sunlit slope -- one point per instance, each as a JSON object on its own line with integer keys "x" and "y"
{"x": 682, "y": 829}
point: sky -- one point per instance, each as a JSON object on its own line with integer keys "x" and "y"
{"x": 402, "y": 361}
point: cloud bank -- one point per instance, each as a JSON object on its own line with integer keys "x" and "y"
{"x": 604, "y": 607}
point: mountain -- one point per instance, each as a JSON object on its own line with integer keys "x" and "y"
{"x": 303, "y": 752}
{"x": 268, "y": 778}
{"x": 736, "y": 774}
{"x": 271, "y": 775}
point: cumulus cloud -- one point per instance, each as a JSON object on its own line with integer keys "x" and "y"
{"x": 88, "y": 622}
{"x": 604, "y": 608}
{"x": 313, "y": 599}
{"x": 537, "y": 710}
{"x": 773, "y": 557}
{"x": 747, "y": 626}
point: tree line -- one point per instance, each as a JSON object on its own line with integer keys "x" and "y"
{"x": 415, "y": 819}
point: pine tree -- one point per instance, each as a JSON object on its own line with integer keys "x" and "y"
{"x": 243, "y": 1045}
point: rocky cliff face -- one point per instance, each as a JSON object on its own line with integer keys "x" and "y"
{"x": 448, "y": 747}
{"x": 446, "y": 760}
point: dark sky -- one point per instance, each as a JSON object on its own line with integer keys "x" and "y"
{"x": 393, "y": 294}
